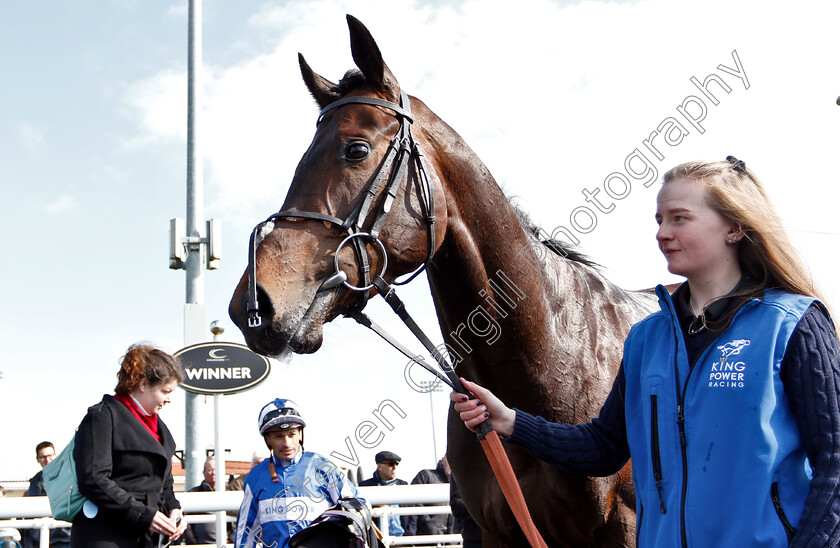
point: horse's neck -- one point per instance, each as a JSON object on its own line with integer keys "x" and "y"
{"x": 492, "y": 294}
{"x": 511, "y": 311}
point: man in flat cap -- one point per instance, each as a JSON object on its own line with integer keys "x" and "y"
{"x": 386, "y": 474}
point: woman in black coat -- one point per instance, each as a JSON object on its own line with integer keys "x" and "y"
{"x": 124, "y": 459}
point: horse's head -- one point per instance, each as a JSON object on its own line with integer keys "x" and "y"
{"x": 362, "y": 175}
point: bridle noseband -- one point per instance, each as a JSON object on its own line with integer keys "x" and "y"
{"x": 402, "y": 150}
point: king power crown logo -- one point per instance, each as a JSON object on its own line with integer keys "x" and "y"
{"x": 729, "y": 373}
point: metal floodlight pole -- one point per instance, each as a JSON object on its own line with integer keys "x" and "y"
{"x": 192, "y": 251}
{"x": 194, "y": 309}
{"x": 430, "y": 387}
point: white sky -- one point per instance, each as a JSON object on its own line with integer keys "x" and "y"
{"x": 553, "y": 96}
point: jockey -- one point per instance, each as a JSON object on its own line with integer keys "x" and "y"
{"x": 285, "y": 492}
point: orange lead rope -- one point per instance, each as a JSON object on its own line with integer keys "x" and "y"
{"x": 487, "y": 435}
{"x": 499, "y": 462}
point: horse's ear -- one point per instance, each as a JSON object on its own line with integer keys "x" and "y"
{"x": 368, "y": 58}
{"x": 324, "y": 91}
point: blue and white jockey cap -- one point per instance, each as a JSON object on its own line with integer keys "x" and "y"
{"x": 280, "y": 413}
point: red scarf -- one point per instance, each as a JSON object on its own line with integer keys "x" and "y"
{"x": 149, "y": 421}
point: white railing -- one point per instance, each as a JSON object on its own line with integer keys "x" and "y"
{"x": 450, "y": 541}
{"x": 29, "y": 512}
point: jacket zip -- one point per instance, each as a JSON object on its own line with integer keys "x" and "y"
{"x": 777, "y": 503}
{"x": 654, "y": 449}
{"x": 681, "y": 426}
{"x": 681, "y": 391}
{"x": 681, "y": 423}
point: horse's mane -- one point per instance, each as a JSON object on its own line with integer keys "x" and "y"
{"x": 559, "y": 247}
{"x": 354, "y": 79}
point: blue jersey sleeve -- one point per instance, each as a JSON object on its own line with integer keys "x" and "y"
{"x": 247, "y": 522}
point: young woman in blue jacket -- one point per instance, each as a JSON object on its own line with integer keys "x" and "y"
{"x": 728, "y": 397}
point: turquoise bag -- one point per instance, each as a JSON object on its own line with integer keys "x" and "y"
{"x": 62, "y": 486}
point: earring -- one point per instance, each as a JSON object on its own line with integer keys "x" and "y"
{"x": 730, "y": 241}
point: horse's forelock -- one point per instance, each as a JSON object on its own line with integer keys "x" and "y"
{"x": 353, "y": 79}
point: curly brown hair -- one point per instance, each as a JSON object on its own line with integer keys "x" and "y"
{"x": 142, "y": 361}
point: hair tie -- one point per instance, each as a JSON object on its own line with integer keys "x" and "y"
{"x": 737, "y": 165}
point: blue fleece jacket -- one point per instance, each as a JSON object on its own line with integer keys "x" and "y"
{"x": 810, "y": 382}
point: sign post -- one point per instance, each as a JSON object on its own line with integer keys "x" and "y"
{"x": 217, "y": 368}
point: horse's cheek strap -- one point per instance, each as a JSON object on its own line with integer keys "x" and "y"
{"x": 254, "y": 319}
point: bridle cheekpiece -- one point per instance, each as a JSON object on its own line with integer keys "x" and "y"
{"x": 402, "y": 151}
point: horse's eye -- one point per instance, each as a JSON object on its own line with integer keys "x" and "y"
{"x": 356, "y": 152}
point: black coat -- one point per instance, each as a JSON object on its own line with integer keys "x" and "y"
{"x": 431, "y": 524}
{"x": 376, "y": 480}
{"x": 469, "y": 529}
{"x": 201, "y": 533}
{"x": 126, "y": 472}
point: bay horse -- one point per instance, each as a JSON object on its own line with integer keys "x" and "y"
{"x": 538, "y": 325}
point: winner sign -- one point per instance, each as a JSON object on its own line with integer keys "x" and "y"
{"x": 221, "y": 368}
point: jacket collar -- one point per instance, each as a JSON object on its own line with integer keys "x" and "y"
{"x": 718, "y": 314}
{"x": 381, "y": 481}
{"x": 283, "y": 464}
{"x": 166, "y": 449}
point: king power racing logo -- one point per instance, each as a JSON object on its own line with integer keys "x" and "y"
{"x": 728, "y": 371}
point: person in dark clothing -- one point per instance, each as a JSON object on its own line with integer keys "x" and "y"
{"x": 728, "y": 398}
{"x": 463, "y": 523}
{"x": 203, "y": 533}
{"x": 124, "y": 459}
{"x": 386, "y": 474}
{"x": 431, "y": 524}
{"x": 44, "y": 454}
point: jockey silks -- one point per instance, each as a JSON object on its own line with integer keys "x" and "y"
{"x": 273, "y": 511}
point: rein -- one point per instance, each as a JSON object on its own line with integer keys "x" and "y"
{"x": 404, "y": 150}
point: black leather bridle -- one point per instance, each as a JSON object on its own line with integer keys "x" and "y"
{"x": 402, "y": 151}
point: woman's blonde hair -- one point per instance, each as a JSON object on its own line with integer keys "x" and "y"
{"x": 738, "y": 196}
{"x": 142, "y": 361}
